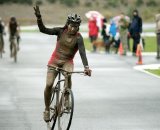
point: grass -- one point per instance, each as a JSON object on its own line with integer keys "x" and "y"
{"x": 149, "y": 30}
{"x": 30, "y": 31}
{"x": 154, "y": 71}
{"x": 150, "y": 44}
{"x": 87, "y": 44}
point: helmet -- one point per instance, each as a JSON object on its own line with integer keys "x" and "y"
{"x": 74, "y": 18}
{"x": 13, "y": 18}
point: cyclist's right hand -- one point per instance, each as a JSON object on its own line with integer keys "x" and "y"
{"x": 37, "y": 11}
{"x": 87, "y": 71}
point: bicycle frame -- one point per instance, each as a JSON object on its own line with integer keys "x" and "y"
{"x": 59, "y": 100}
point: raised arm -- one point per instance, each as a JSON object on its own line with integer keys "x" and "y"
{"x": 42, "y": 28}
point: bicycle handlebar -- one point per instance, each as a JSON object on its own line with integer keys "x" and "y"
{"x": 61, "y": 69}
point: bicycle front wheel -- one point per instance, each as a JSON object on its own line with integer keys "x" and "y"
{"x": 66, "y": 110}
{"x": 1, "y": 47}
{"x": 1, "y": 53}
{"x": 53, "y": 109}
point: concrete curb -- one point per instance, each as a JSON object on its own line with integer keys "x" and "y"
{"x": 150, "y": 66}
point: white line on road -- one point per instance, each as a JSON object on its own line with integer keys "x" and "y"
{"x": 151, "y": 66}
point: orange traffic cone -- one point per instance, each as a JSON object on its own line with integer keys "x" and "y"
{"x": 120, "y": 49}
{"x": 139, "y": 54}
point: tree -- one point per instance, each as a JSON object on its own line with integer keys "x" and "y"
{"x": 16, "y": 1}
{"x": 139, "y": 2}
{"x": 152, "y": 3}
{"x": 112, "y": 3}
{"x": 52, "y": 1}
{"x": 70, "y": 3}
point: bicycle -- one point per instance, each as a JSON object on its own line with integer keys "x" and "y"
{"x": 58, "y": 108}
{"x": 14, "y": 50}
{"x": 1, "y": 45}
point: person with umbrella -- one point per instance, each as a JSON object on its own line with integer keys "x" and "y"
{"x": 93, "y": 31}
{"x": 95, "y": 22}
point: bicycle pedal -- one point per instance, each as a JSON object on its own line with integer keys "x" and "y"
{"x": 67, "y": 111}
{"x": 52, "y": 108}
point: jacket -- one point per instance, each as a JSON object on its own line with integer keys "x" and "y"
{"x": 136, "y": 25}
{"x": 93, "y": 29}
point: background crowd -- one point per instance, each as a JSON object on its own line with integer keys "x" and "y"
{"x": 117, "y": 32}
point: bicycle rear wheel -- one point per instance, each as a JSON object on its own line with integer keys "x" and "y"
{"x": 15, "y": 52}
{"x": 66, "y": 111}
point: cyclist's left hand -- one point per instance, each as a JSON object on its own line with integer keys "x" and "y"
{"x": 87, "y": 71}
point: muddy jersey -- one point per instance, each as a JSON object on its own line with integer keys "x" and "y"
{"x": 66, "y": 46}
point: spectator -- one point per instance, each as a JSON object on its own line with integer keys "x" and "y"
{"x": 123, "y": 30}
{"x": 93, "y": 32}
{"x": 115, "y": 36}
{"x": 106, "y": 36}
{"x": 135, "y": 30}
{"x": 2, "y": 32}
{"x": 128, "y": 37}
{"x": 158, "y": 34}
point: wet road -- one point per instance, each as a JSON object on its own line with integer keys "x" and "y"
{"x": 116, "y": 97}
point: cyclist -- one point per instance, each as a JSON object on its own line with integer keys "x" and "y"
{"x": 69, "y": 40}
{"x": 14, "y": 30}
{"x": 2, "y": 32}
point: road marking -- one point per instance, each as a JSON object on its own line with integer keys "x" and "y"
{"x": 151, "y": 66}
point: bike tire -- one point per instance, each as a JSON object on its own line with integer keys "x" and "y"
{"x": 15, "y": 52}
{"x": 68, "y": 124}
{"x": 15, "y": 58}
{"x": 70, "y": 121}
{"x": 53, "y": 109}
{"x": 1, "y": 48}
{"x": 0, "y": 54}
{"x": 54, "y": 123}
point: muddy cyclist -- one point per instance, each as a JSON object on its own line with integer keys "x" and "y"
{"x": 69, "y": 41}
